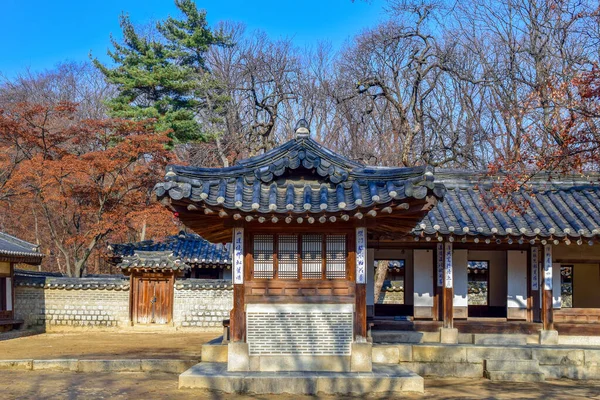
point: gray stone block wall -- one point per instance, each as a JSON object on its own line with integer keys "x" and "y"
{"x": 202, "y": 303}
{"x": 59, "y": 303}
{"x": 58, "y": 308}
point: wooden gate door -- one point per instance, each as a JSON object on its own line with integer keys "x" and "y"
{"x": 153, "y": 301}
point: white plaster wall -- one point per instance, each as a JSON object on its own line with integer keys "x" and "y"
{"x": 370, "y": 277}
{"x": 586, "y": 284}
{"x": 556, "y": 297}
{"x": 423, "y": 278}
{"x": 498, "y": 286}
{"x": 459, "y": 276}
{"x": 516, "y": 261}
{"x": 400, "y": 254}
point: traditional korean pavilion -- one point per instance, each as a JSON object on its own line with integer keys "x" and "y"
{"x": 13, "y": 251}
{"x": 299, "y": 217}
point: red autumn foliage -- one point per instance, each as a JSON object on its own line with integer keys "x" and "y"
{"x": 567, "y": 143}
{"x": 73, "y": 185}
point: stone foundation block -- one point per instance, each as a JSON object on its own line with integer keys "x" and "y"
{"x": 579, "y": 340}
{"x": 214, "y": 353}
{"x": 591, "y": 357}
{"x": 549, "y": 337}
{"x": 571, "y": 372}
{"x": 300, "y": 363}
{"x": 361, "y": 359}
{"x": 168, "y": 366}
{"x": 238, "y": 359}
{"x": 449, "y": 335}
{"x": 505, "y": 376}
{"x": 500, "y": 339}
{"x": 56, "y": 365}
{"x": 465, "y": 338}
{"x": 446, "y": 369}
{"x": 390, "y": 379}
{"x": 109, "y": 366}
{"x": 477, "y": 354}
{"x": 386, "y": 354}
{"x": 16, "y": 364}
{"x": 550, "y": 356}
{"x": 510, "y": 365}
{"x": 405, "y": 337}
{"x": 424, "y": 353}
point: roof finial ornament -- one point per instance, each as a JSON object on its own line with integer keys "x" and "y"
{"x": 302, "y": 130}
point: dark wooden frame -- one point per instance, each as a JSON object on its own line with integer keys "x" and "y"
{"x": 333, "y": 290}
{"x": 403, "y": 308}
{"x": 488, "y": 282}
{"x": 9, "y": 314}
{"x": 250, "y": 233}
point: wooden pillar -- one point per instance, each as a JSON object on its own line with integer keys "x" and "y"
{"x": 439, "y": 284}
{"x": 534, "y": 275}
{"x": 547, "y": 314}
{"x": 448, "y": 290}
{"x": 360, "y": 323}
{"x": 239, "y": 261}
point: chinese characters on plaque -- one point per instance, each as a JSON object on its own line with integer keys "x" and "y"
{"x": 548, "y": 267}
{"x": 361, "y": 254}
{"x": 535, "y": 281}
{"x": 448, "y": 264}
{"x": 440, "y": 264}
{"x": 238, "y": 256}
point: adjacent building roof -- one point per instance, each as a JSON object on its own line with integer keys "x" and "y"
{"x": 299, "y": 182}
{"x": 153, "y": 261}
{"x": 190, "y": 248}
{"x": 13, "y": 249}
{"x": 562, "y": 208}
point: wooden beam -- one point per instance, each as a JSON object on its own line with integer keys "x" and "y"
{"x": 547, "y": 313}
{"x": 448, "y": 289}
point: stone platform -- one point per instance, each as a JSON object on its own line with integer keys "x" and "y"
{"x": 383, "y": 379}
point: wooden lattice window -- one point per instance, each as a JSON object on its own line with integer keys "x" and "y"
{"x": 287, "y": 256}
{"x": 300, "y": 256}
{"x": 263, "y": 256}
{"x": 335, "y": 256}
{"x": 312, "y": 256}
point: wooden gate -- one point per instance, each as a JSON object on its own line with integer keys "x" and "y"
{"x": 152, "y": 300}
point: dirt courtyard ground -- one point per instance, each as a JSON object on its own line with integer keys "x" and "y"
{"x": 102, "y": 345}
{"x": 57, "y": 385}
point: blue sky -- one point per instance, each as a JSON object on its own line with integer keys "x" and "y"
{"x": 41, "y": 33}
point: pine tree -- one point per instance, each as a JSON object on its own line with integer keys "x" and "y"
{"x": 165, "y": 78}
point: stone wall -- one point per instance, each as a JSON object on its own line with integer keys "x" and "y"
{"x": 64, "y": 303}
{"x": 59, "y": 303}
{"x": 202, "y": 303}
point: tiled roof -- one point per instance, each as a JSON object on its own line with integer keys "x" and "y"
{"x": 190, "y": 248}
{"x": 153, "y": 260}
{"x": 561, "y": 208}
{"x": 51, "y": 280}
{"x": 299, "y": 177}
{"x": 17, "y": 250}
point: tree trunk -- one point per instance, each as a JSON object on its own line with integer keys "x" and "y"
{"x": 143, "y": 233}
{"x": 380, "y": 275}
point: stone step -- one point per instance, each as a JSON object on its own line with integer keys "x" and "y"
{"x": 384, "y": 379}
{"x": 500, "y": 339}
{"x": 405, "y": 337}
{"x": 512, "y": 365}
{"x": 505, "y": 376}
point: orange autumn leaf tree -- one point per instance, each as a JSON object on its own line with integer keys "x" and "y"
{"x": 77, "y": 183}
{"x": 566, "y": 142}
